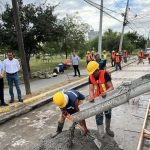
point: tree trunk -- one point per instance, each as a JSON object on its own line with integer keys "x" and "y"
{"x": 28, "y": 64}
{"x": 65, "y": 48}
{"x": 66, "y": 53}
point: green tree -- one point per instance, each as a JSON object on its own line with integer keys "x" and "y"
{"x": 39, "y": 25}
{"x": 111, "y": 41}
{"x": 73, "y": 34}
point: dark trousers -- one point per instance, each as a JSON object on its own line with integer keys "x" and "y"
{"x": 76, "y": 69}
{"x": 2, "y": 91}
{"x": 112, "y": 62}
{"x": 118, "y": 65}
{"x": 125, "y": 59}
{"x": 99, "y": 117}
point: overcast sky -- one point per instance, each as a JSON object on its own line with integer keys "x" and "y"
{"x": 90, "y": 15}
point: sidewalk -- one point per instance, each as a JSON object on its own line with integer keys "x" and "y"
{"x": 42, "y": 84}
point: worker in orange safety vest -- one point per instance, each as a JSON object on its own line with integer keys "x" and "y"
{"x": 99, "y": 85}
{"x": 118, "y": 61}
{"x": 88, "y": 57}
{"x": 140, "y": 57}
{"x": 93, "y": 55}
{"x": 125, "y": 56}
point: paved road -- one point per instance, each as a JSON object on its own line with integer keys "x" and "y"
{"x": 24, "y": 132}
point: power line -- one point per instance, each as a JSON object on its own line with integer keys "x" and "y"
{"x": 98, "y": 7}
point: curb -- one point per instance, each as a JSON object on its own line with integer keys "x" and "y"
{"x": 25, "y": 109}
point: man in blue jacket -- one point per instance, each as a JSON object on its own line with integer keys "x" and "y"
{"x": 68, "y": 102}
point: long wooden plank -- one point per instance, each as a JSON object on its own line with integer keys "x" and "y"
{"x": 143, "y": 128}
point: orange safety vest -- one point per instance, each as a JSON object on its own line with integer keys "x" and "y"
{"x": 141, "y": 54}
{"x": 93, "y": 57}
{"x": 125, "y": 54}
{"x": 100, "y": 85}
{"x": 117, "y": 59}
{"x": 113, "y": 55}
{"x": 88, "y": 57}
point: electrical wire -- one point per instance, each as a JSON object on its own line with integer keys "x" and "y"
{"x": 98, "y": 7}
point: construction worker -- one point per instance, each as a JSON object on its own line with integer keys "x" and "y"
{"x": 125, "y": 56}
{"x": 88, "y": 57}
{"x": 113, "y": 55}
{"x": 140, "y": 57}
{"x": 104, "y": 57}
{"x": 100, "y": 61}
{"x": 99, "y": 84}
{"x": 118, "y": 61}
{"x": 68, "y": 102}
{"x": 93, "y": 55}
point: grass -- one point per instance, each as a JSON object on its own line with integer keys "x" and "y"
{"x": 39, "y": 65}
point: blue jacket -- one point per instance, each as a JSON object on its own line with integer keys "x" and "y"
{"x": 73, "y": 95}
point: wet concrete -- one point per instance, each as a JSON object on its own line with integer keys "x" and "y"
{"x": 26, "y": 131}
{"x": 79, "y": 142}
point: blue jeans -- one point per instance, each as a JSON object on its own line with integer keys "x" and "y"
{"x": 99, "y": 117}
{"x": 13, "y": 79}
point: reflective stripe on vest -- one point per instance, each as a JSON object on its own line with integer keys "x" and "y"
{"x": 100, "y": 85}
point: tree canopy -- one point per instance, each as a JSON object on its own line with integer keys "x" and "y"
{"x": 42, "y": 30}
{"x": 111, "y": 41}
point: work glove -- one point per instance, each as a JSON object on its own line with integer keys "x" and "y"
{"x": 103, "y": 94}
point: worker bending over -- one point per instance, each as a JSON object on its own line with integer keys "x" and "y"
{"x": 68, "y": 102}
{"x": 99, "y": 84}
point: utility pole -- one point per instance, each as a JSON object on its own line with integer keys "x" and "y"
{"x": 21, "y": 46}
{"x": 100, "y": 29}
{"x": 147, "y": 40}
{"x": 124, "y": 24}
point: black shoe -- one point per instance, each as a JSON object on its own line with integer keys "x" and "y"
{"x": 12, "y": 100}
{"x": 4, "y": 104}
{"x": 74, "y": 75}
{"x": 20, "y": 100}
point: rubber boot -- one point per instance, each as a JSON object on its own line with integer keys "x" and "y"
{"x": 108, "y": 131}
{"x": 101, "y": 130}
{"x": 59, "y": 129}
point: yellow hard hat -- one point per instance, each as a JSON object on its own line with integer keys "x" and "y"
{"x": 88, "y": 52}
{"x": 91, "y": 67}
{"x": 60, "y": 100}
{"x": 104, "y": 51}
{"x": 117, "y": 54}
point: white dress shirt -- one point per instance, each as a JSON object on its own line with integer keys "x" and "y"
{"x": 75, "y": 60}
{"x": 11, "y": 66}
{"x": 1, "y": 67}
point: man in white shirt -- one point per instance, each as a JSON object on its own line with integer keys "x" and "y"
{"x": 12, "y": 67}
{"x": 75, "y": 63}
{"x": 2, "y": 85}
